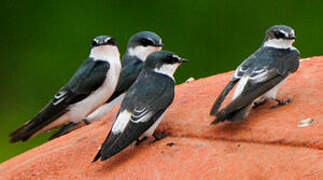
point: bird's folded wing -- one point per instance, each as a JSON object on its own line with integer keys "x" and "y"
{"x": 128, "y": 76}
{"x": 221, "y": 97}
{"x": 88, "y": 78}
{"x": 144, "y": 103}
{"x": 254, "y": 88}
{"x": 239, "y": 72}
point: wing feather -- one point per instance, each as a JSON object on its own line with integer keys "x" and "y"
{"x": 87, "y": 78}
{"x": 145, "y": 101}
{"x": 262, "y": 71}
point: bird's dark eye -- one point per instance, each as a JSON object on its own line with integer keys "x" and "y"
{"x": 279, "y": 34}
{"x": 112, "y": 41}
{"x": 94, "y": 43}
{"x": 146, "y": 42}
{"x": 170, "y": 60}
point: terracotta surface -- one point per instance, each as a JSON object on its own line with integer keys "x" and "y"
{"x": 267, "y": 145}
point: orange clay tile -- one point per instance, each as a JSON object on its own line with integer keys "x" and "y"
{"x": 269, "y": 144}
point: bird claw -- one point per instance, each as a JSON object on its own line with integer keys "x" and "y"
{"x": 159, "y": 136}
{"x": 257, "y": 104}
{"x": 281, "y": 102}
{"x": 86, "y": 121}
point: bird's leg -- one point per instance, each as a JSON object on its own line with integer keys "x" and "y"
{"x": 139, "y": 141}
{"x": 86, "y": 121}
{"x": 281, "y": 102}
{"x": 159, "y": 136}
{"x": 257, "y": 104}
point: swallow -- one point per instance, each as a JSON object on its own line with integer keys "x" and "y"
{"x": 91, "y": 86}
{"x": 260, "y": 76}
{"x": 144, "y": 104}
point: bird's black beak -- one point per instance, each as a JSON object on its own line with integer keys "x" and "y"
{"x": 159, "y": 44}
{"x": 292, "y": 37}
{"x": 112, "y": 42}
{"x": 182, "y": 60}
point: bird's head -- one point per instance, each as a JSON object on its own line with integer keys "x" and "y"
{"x": 144, "y": 43}
{"x": 280, "y": 36}
{"x": 164, "y": 62}
{"x": 104, "y": 47}
{"x": 103, "y": 40}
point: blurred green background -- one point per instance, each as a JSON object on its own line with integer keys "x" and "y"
{"x": 43, "y": 43}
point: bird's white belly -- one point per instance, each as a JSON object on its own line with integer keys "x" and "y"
{"x": 98, "y": 97}
{"x": 273, "y": 92}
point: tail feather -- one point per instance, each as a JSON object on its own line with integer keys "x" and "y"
{"x": 115, "y": 143}
{"x": 233, "y": 116}
{"x": 246, "y": 98}
{"x": 42, "y": 119}
{"x": 20, "y": 134}
{"x": 66, "y": 129}
{"x": 106, "y": 144}
{"x": 221, "y": 97}
{"x": 97, "y": 156}
{"x": 111, "y": 148}
{"x": 241, "y": 114}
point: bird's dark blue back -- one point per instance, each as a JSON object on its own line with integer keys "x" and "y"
{"x": 149, "y": 87}
{"x": 284, "y": 60}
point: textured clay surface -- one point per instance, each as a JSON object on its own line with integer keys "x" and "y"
{"x": 269, "y": 144}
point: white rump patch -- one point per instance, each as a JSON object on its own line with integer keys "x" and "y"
{"x": 168, "y": 69}
{"x": 121, "y": 122}
{"x": 280, "y": 43}
{"x": 242, "y": 83}
{"x": 142, "y": 52}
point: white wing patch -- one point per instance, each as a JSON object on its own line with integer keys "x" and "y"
{"x": 59, "y": 97}
{"x": 60, "y": 94}
{"x": 121, "y": 122}
{"x": 142, "y": 116}
{"x": 242, "y": 83}
{"x": 260, "y": 75}
{"x": 125, "y": 116}
{"x": 256, "y": 76}
{"x": 239, "y": 70}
